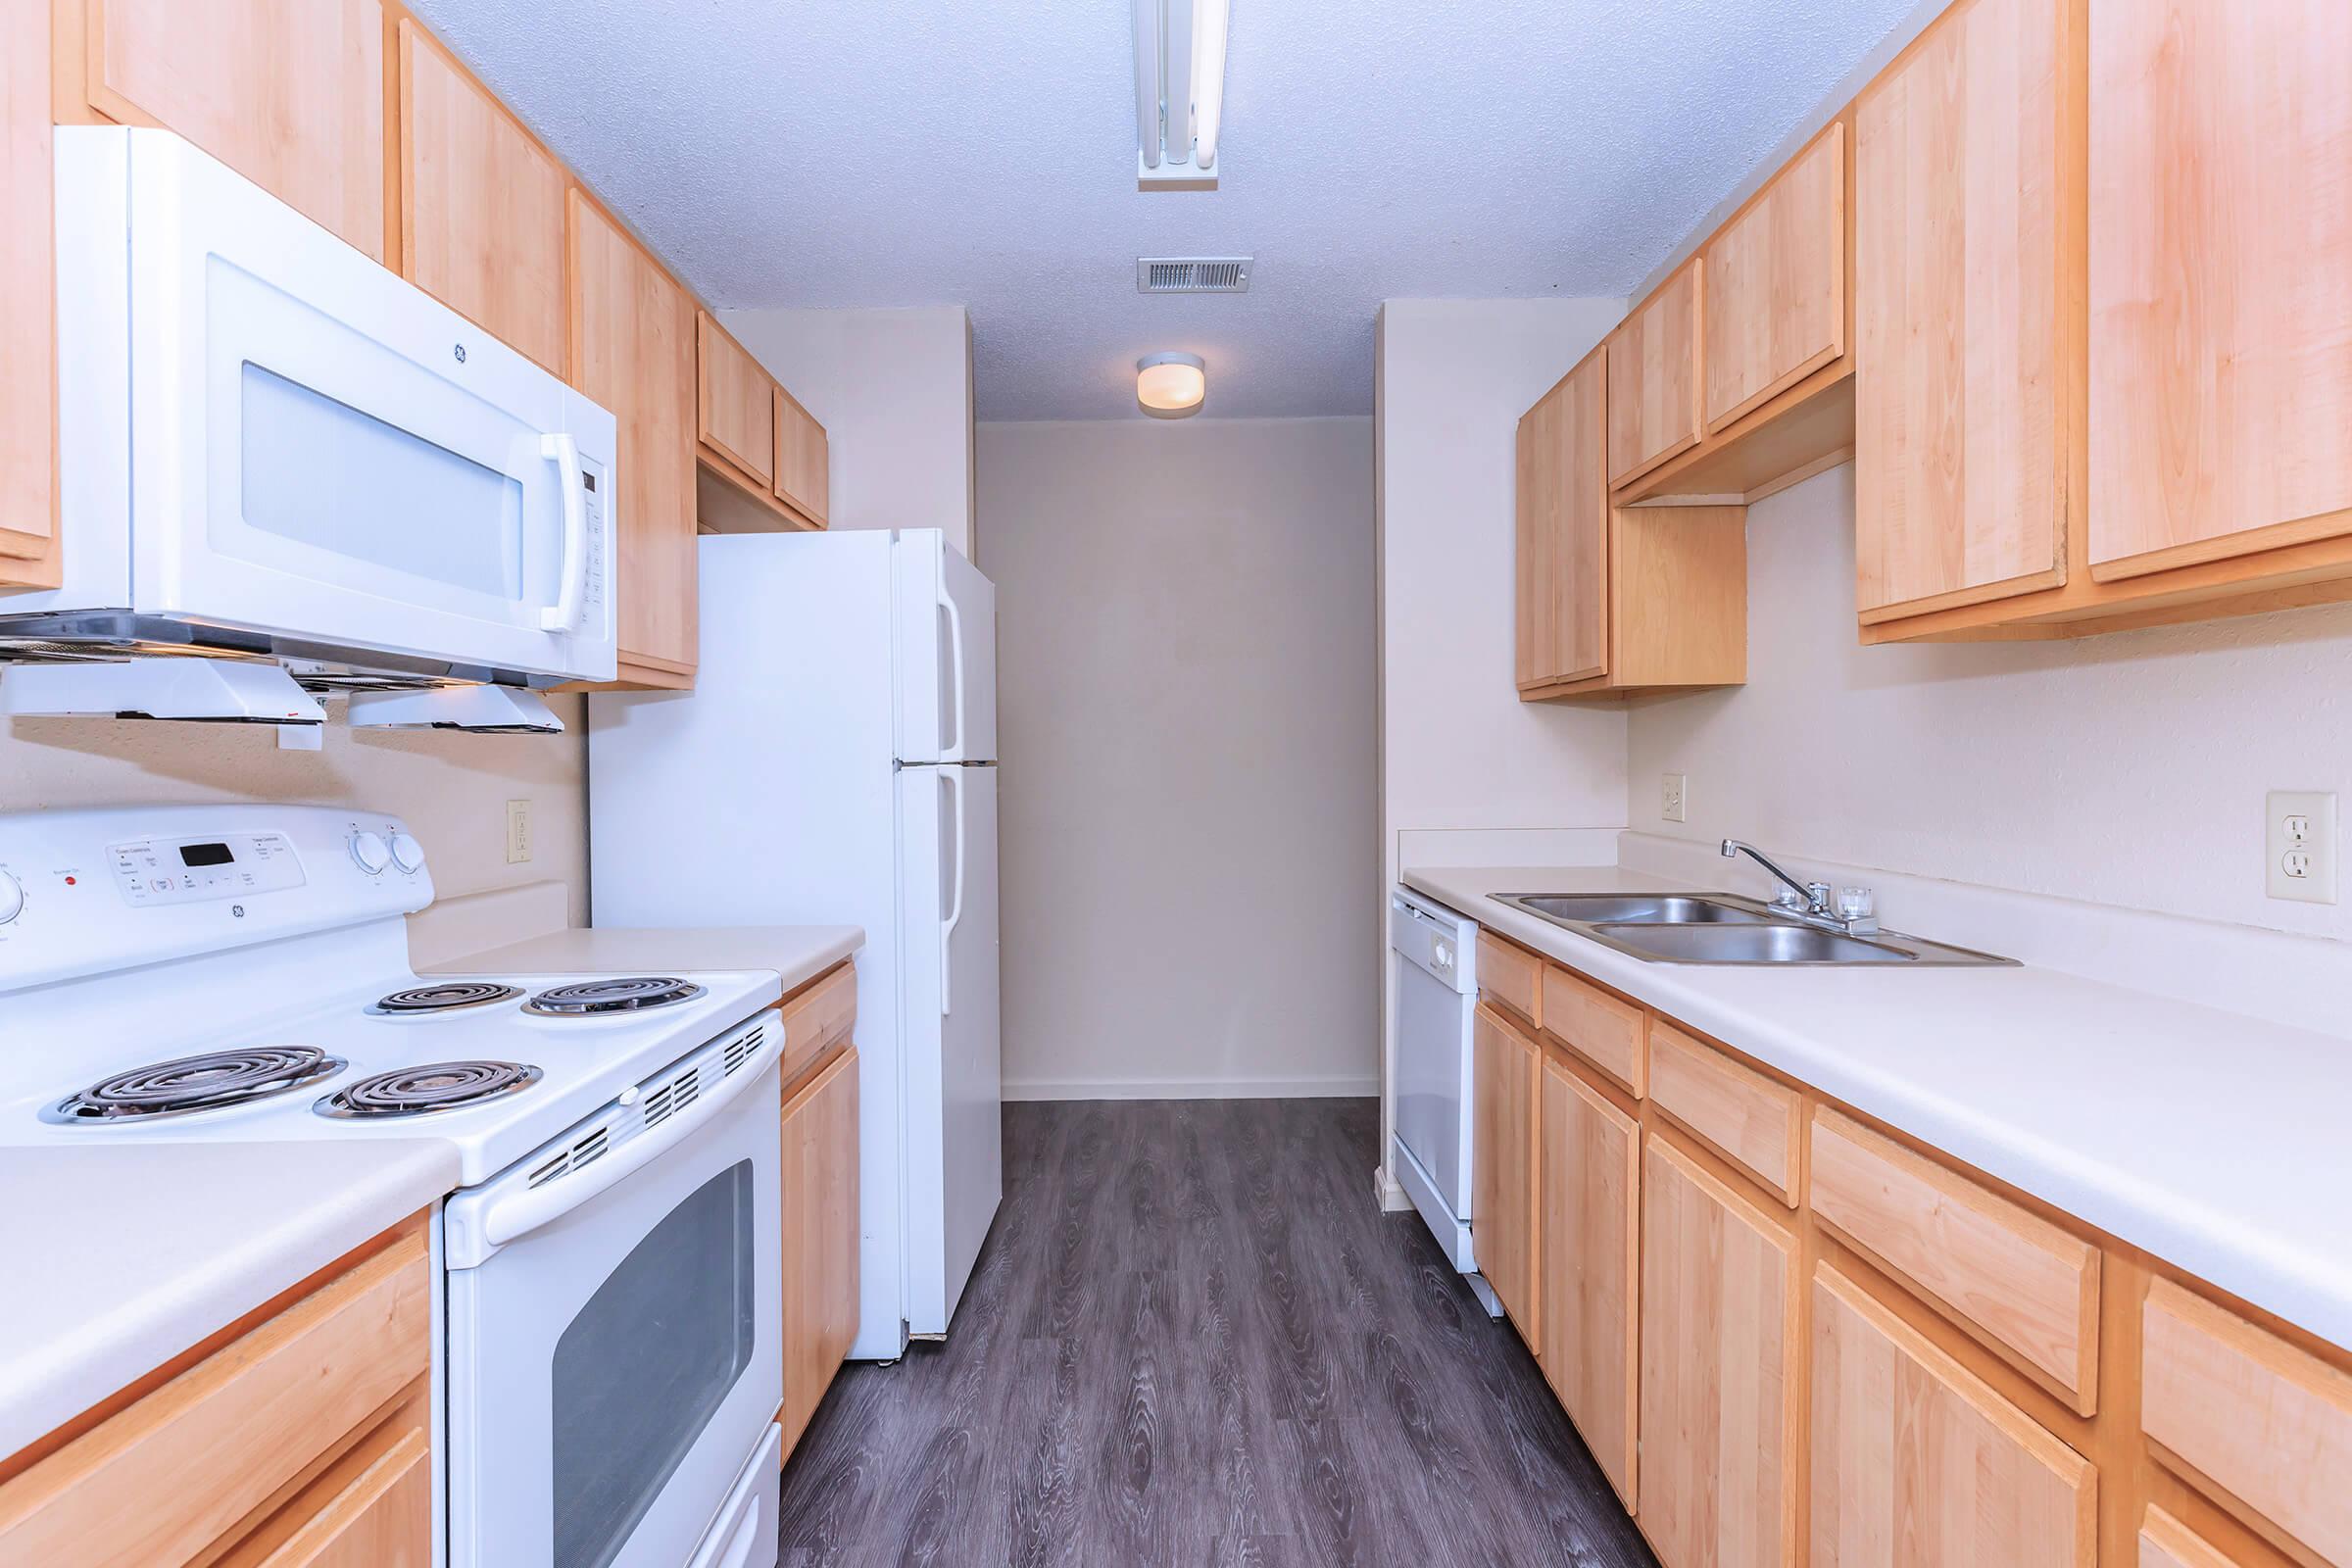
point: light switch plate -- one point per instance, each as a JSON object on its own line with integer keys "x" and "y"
{"x": 1670, "y": 798}
{"x": 2299, "y": 846}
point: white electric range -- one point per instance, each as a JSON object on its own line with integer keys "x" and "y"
{"x": 606, "y": 1357}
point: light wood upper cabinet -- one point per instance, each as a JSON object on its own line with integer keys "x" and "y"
{"x": 2221, "y": 281}
{"x": 1588, "y": 1165}
{"x": 1910, "y": 1447}
{"x": 289, "y": 93}
{"x": 1563, "y": 521}
{"x": 1504, "y": 1094}
{"x": 1961, "y": 424}
{"x": 734, "y": 403}
{"x": 27, "y": 282}
{"x": 1775, "y": 275}
{"x": 804, "y": 478}
{"x": 820, "y": 1238}
{"x": 1654, "y": 380}
{"x": 1720, "y": 1389}
{"x": 481, "y": 204}
{"x": 632, "y": 350}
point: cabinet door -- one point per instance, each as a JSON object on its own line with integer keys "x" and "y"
{"x": 804, "y": 479}
{"x": 1919, "y": 1464}
{"x": 481, "y": 204}
{"x": 1958, "y": 421}
{"x": 2220, "y": 280}
{"x": 1653, "y": 379}
{"x": 1564, "y": 557}
{"x": 735, "y": 412}
{"x": 1589, "y": 1166}
{"x": 632, "y": 350}
{"x": 1719, "y": 1395}
{"x": 289, "y": 93}
{"x": 28, "y": 279}
{"x": 1503, "y": 1131}
{"x": 1776, "y": 284}
{"x": 820, "y": 1238}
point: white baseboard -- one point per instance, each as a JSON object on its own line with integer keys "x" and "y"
{"x": 1366, "y": 1087}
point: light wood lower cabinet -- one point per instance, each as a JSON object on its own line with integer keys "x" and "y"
{"x": 304, "y": 1441}
{"x": 1720, "y": 1389}
{"x": 1918, "y": 1464}
{"x": 820, "y": 1238}
{"x": 1589, "y": 1246}
{"x": 1503, "y": 1165}
{"x": 2166, "y": 1542}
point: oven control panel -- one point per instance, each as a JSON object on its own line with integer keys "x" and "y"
{"x": 187, "y": 870}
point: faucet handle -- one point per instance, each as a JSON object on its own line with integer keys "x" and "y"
{"x": 1818, "y": 894}
{"x": 1858, "y": 904}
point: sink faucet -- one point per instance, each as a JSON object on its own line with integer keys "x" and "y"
{"x": 1810, "y": 900}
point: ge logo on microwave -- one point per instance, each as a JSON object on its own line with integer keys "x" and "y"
{"x": 459, "y": 351}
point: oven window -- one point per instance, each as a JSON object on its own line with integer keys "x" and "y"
{"x": 650, "y": 1357}
{"x": 325, "y": 474}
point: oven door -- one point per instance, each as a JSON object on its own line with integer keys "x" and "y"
{"x": 323, "y": 451}
{"x": 614, "y": 1367}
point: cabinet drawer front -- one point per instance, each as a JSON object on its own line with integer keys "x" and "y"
{"x": 1596, "y": 1026}
{"x": 2263, "y": 1421}
{"x": 1653, "y": 379}
{"x": 817, "y": 1018}
{"x": 1776, "y": 284}
{"x": 735, "y": 411}
{"x": 1750, "y": 1119}
{"x": 2166, "y": 1542}
{"x": 2017, "y": 1282}
{"x": 166, "y": 1477}
{"x": 1909, "y": 1445}
{"x": 1510, "y": 977}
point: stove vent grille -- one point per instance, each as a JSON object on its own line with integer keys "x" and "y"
{"x": 583, "y": 1151}
{"x": 1193, "y": 275}
{"x": 741, "y": 1049}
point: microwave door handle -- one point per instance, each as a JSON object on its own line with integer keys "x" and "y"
{"x": 953, "y": 777}
{"x": 563, "y": 450}
{"x": 952, "y": 751}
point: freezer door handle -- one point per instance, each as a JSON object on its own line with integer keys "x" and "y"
{"x": 953, "y": 751}
{"x": 953, "y": 778}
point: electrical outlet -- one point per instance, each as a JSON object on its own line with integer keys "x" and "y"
{"x": 519, "y": 832}
{"x": 2299, "y": 846}
{"x": 1670, "y": 801}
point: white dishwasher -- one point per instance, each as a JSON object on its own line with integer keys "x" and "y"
{"x": 1436, "y": 973}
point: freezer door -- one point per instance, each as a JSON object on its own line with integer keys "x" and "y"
{"x": 946, "y": 653}
{"x": 949, "y": 1012}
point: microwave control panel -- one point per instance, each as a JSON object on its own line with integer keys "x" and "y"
{"x": 190, "y": 871}
{"x": 594, "y": 482}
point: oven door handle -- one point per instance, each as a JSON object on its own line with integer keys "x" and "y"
{"x": 511, "y": 1217}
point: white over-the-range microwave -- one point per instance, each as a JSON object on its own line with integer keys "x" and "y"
{"x": 270, "y": 444}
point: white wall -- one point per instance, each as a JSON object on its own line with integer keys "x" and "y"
{"x": 1185, "y": 697}
{"x": 892, "y": 389}
{"x": 2126, "y": 769}
{"x": 452, "y": 789}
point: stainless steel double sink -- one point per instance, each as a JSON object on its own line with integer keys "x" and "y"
{"x": 1724, "y": 928}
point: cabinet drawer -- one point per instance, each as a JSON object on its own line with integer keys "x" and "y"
{"x": 818, "y": 1017}
{"x": 1751, "y": 1120}
{"x": 2166, "y": 1542}
{"x": 1510, "y": 977}
{"x": 2023, "y": 1286}
{"x": 168, "y": 1476}
{"x": 1596, "y": 1026}
{"x": 2252, "y": 1415}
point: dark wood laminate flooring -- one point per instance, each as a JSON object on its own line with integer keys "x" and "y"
{"x": 1191, "y": 1340}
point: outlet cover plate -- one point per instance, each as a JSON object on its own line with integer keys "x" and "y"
{"x": 519, "y": 832}
{"x": 2299, "y": 846}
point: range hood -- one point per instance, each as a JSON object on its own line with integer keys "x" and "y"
{"x": 481, "y": 710}
{"x": 212, "y": 691}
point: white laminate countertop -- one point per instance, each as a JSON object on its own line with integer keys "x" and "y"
{"x": 122, "y": 1257}
{"x": 2214, "y": 1141}
{"x": 796, "y": 952}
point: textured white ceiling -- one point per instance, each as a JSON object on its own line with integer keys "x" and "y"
{"x": 906, "y": 152}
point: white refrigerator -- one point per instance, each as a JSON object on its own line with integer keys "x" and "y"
{"x": 835, "y": 763}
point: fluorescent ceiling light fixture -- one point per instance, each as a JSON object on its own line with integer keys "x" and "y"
{"x": 218, "y": 691}
{"x": 1170, "y": 386}
{"x": 1179, "y": 91}
{"x": 483, "y": 710}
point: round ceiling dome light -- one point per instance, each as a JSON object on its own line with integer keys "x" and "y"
{"x": 1170, "y": 386}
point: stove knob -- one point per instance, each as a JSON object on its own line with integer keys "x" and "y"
{"x": 406, "y": 853}
{"x": 12, "y": 898}
{"x": 370, "y": 852}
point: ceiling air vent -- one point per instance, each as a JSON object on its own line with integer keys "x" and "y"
{"x": 1192, "y": 275}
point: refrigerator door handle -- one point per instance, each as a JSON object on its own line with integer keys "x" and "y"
{"x": 953, "y": 751}
{"x": 953, "y": 777}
